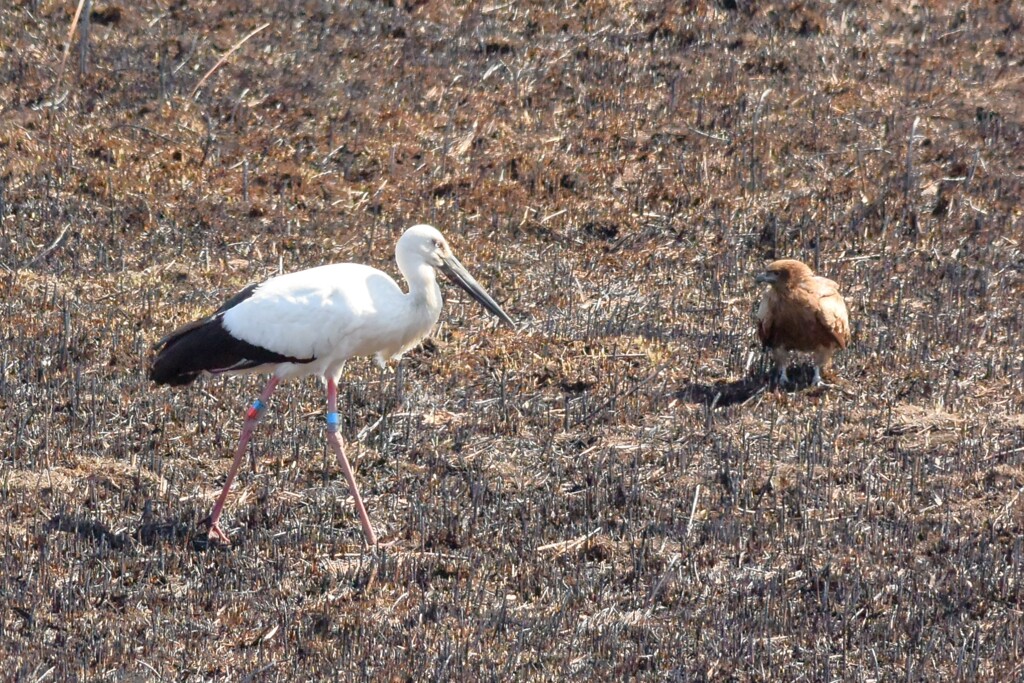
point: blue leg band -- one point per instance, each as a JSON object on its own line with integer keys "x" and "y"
{"x": 333, "y": 420}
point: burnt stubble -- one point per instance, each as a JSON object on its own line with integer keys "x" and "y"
{"x": 611, "y": 491}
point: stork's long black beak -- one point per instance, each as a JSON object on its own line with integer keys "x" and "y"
{"x": 458, "y": 274}
{"x": 766, "y": 276}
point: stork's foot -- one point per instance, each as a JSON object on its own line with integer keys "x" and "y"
{"x": 215, "y": 533}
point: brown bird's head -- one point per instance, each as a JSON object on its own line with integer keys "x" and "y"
{"x": 784, "y": 271}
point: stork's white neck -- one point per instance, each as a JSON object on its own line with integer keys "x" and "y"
{"x": 422, "y": 308}
{"x": 424, "y": 292}
{"x": 415, "y": 253}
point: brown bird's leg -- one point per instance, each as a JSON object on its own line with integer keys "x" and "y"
{"x": 339, "y": 450}
{"x": 781, "y": 357}
{"x": 252, "y": 418}
{"x": 822, "y": 363}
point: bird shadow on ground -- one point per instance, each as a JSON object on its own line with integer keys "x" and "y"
{"x": 725, "y": 394}
{"x": 722, "y": 394}
{"x": 150, "y": 532}
{"x": 88, "y": 530}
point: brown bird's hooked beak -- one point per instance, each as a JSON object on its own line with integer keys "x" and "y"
{"x": 767, "y": 277}
{"x": 458, "y": 274}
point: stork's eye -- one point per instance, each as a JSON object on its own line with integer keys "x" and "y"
{"x": 437, "y": 244}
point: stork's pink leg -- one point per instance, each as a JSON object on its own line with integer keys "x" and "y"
{"x": 339, "y": 450}
{"x": 252, "y": 418}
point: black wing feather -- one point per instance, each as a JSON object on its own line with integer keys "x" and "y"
{"x": 205, "y": 345}
{"x": 237, "y": 298}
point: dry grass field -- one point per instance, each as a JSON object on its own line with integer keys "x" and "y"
{"x": 610, "y": 492}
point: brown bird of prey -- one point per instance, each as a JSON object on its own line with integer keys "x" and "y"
{"x": 801, "y": 311}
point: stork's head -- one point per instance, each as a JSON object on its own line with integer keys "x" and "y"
{"x": 784, "y": 271}
{"x": 424, "y": 245}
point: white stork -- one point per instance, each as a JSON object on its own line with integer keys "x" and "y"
{"x": 310, "y": 323}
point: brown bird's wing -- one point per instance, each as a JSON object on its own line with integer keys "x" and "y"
{"x": 766, "y": 318}
{"x": 832, "y": 313}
